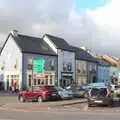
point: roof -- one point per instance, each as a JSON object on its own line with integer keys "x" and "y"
{"x": 103, "y": 62}
{"x": 81, "y": 54}
{"x": 59, "y": 42}
{"x": 29, "y": 44}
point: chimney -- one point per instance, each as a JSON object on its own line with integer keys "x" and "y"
{"x": 14, "y": 33}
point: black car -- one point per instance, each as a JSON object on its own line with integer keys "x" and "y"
{"x": 99, "y": 96}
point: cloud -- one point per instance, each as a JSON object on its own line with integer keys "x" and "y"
{"x": 98, "y": 29}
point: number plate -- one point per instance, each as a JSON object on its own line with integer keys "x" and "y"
{"x": 98, "y": 101}
{"x": 53, "y": 94}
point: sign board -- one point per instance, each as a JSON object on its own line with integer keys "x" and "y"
{"x": 38, "y": 66}
{"x": 40, "y": 76}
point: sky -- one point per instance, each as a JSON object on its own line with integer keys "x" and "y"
{"x": 94, "y": 24}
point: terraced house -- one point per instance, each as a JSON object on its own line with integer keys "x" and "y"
{"x": 17, "y": 56}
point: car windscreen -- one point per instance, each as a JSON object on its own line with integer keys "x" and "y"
{"x": 50, "y": 87}
{"x": 98, "y": 92}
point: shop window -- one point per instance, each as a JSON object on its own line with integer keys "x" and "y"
{"x": 51, "y": 82}
{"x": 38, "y": 81}
{"x": 35, "y": 82}
{"x": 46, "y": 82}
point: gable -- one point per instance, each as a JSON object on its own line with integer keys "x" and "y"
{"x": 10, "y": 46}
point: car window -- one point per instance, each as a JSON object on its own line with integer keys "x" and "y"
{"x": 37, "y": 88}
{"x": 50, "y": 87}
{"x": 98, "y": 91}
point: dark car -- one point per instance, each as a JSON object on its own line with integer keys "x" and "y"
{"x": 39, "y": 93}
{"x": 99, "y": 96}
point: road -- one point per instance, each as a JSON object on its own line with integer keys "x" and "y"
{"x": 12, "y": 115}
{"x": 31, "y": 111}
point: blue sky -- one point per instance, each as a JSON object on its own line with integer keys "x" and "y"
{"x": 90, "y": 4}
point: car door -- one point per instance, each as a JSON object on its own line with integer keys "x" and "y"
{"x": 27, "y": 94}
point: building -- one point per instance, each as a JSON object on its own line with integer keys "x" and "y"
{"x": 86, "y": 66}
{"x": 114, "y": 67}
{"x": 103, "y": 71}
{"x": 66, "y": 59}
{"x": 17, "y": 56}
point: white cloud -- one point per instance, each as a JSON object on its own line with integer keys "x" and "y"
{"x": 98, "y": 29}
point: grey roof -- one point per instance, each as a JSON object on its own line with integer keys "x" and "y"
{"x": 59, "y": 42}
{"x": 28, "y": 44}
{"x": 81, "y": 54}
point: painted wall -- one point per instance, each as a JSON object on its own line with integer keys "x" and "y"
{"x": 49, "y": 62}
{"x": 64, "y": 58}
{"x": 9, "y": 56}
{"x": 81, "y": 71}
{"x": 103, "y": 73}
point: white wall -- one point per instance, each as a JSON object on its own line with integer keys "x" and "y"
{"x": 68, "y": 57}
{"x": 81, "y": 71}
{"x": 9, "y": 55}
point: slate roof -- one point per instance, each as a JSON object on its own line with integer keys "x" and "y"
{"x": 60, "y": 43}
{"x": 28, "y": 44}
{"x": 81, "y": 54}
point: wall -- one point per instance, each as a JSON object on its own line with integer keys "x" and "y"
{"x": 65, "y": 57}
{"x": 9, "y": 56}
{"x": 29, "y": 57}
{"x": 103, "y": 73}
{"x": 81, "y": 71}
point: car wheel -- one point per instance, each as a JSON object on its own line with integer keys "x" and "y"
{"x": 21, "y": 99}
{"x": 40, "y": 100}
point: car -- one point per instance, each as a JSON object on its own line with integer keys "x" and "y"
{"x": 78, "y": 90}
{"x": 64, "y": 94}
{"x": 117, "y": 89}
{"x": 100, "y": 96}
{"x": 39, "y": 93}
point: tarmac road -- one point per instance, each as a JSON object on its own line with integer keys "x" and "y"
{"x": 13, "y": 115}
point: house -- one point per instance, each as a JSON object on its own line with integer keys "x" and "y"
{"x": 86, "y": 66}
{"x": 66, "y": 59}
{"x": 18, "y": 56}
{"x": 114, "y": 68}
{"x": 103, "y": 71}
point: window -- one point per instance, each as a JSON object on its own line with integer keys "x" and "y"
{"x": 35, "y": 82}
{"x": 38, "y": 81}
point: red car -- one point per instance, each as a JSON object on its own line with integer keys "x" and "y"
{"x": 39, "y": 93}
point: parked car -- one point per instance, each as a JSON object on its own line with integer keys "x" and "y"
{"x": 39, "y": 93}
{"x": 117, "y": 89}
{"x": 78, "y": 90}
{"x": 64, "y": 94}
{"x": 99, "y": 96}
